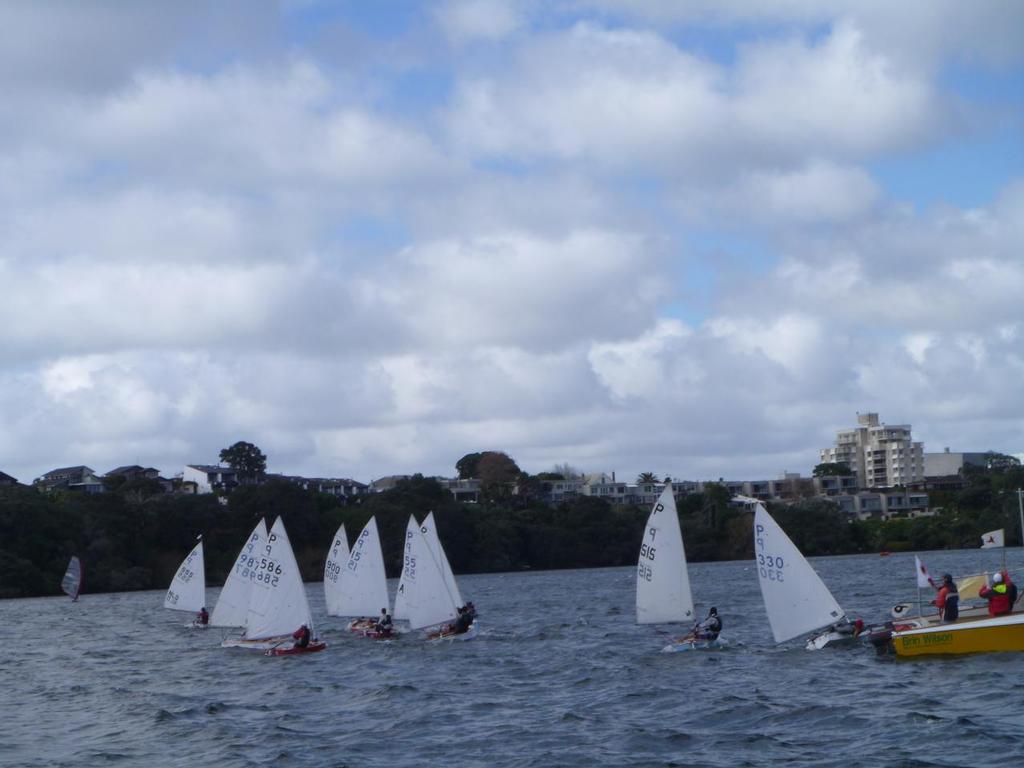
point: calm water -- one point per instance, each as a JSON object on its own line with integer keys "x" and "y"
{"x": 560, "y": 676}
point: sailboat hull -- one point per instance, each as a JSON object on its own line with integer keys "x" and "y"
{"x": 992, "y": 635}
{"x": 678, "y": 646}
{"x": 442, "y": 637}
{"x": 313, "y": 647}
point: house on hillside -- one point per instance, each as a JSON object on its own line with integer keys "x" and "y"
{"x": 80, "y": 478}
{"x": 135, "y": 472}
{"x": 6, "y": 479}
{"x": 208, "y": 478}
{"x": 332, "y": 486}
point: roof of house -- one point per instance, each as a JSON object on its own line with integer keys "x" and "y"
{"x": 210, "y": 468}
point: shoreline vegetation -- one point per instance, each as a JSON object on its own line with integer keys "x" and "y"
{"x": 130, "y": 541}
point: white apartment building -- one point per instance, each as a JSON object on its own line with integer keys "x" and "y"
{"x": 880, "y": 455}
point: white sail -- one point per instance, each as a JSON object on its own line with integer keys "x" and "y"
{"x": 233, "y": 603}
{"x": 429, "y": 529}
{"x": 795, "y": 598}
{"x": 401, "y": 603}
{"x": 71, "y": 584}
{"x": 364, "y": 587}
{"x": 188, "y": 587}
{"x": 337, "y": 558}
{"x": 662, "y": 582}
{"x": 429, "y": 599}
{"x": 277, "y": 605}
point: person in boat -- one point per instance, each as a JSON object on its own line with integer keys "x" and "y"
{"x": 384, "y": 623}
{"x": 202, "y": 618}
{"x": 999, "y": 595}
{"x": 462, "y": 621}
{"x": 301, "y": 636}
{"x": 709, "y": 628}
{"x": 948, "y": 600}
{"x": 847, "y": 627}
{"x": 471, "y": 610}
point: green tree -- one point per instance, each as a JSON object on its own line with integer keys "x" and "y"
{"x": 497, "y": 471}
{"x": 646, "y": 477}
{"x": 467, "y": 465}
{"x": 832, "y": 469}
{"x": 247, "y": 459}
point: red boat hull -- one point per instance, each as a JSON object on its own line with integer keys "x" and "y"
{"x": 294, "y": 651}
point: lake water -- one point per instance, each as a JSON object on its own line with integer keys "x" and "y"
{"x": 560, "y": 676}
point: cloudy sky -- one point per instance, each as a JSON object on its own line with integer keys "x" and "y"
{"x": 691, "y": 238}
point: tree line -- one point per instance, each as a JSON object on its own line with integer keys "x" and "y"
{"x": 130, "y": 540}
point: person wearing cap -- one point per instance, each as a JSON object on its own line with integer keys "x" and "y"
{"x": 203, "y": 617}
{"x": 1000, "y": 600}
{"x": 709, "y": 628}
{"x": 948, "y": 600}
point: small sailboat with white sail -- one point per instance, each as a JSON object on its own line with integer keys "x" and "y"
{"x": 401, "y": 612}
{"x": 74, "y": 578}
{"x": 663, "y": 594}
{"x": 337, "y": 558}
{"x": 431, "y": 602}
{"x": 278, "y": 605}
{"x": 363, "y": 589}
{"x": 795, "y": 598}
{"x": 232, "y": 606}
{"x": 188, "y": 587}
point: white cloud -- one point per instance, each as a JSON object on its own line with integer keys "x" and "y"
{"x": 622, "y": 97}
{"x": 471, "y": 20}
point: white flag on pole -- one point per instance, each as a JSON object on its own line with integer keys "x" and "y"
{"x": 993, "y": 539}
{"x": 923, "y": 579}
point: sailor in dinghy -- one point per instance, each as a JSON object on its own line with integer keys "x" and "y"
{"x": 795, "y": 598}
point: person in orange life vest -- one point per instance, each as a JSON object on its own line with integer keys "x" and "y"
{"x": 998, "y": 595}
{"x": 948, "y": 600}
{"x": 301, "y": 636}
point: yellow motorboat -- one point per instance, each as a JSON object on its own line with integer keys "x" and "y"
{"x": 967, "y": 635}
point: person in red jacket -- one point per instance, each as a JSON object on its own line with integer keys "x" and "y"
{"x": 301, "y": 636}
{"x": 1000, "y": 599}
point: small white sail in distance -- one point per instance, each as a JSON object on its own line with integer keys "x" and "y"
{"x": 364, "y": 587}
{"x": 401, "y": 602}
{"x": 795, "y": 598}
{"x": 188, "y": 587}
{"x": 429, "y": 530}
{"x": 429, "y": 599}
{"x": 662, "y": 581}
{"x": 277, "y": 605}
{"x": 71, "y": 584}
{"x": 337, "y": 558}
{"x": 232, "y": 606}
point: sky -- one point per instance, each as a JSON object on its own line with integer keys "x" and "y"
{"x": 694, "y": 239}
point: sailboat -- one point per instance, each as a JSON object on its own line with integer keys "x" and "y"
{"x": 429, "y": 530}
{"x": 429, "y": 597}
{"x": 337, "y": 558}
{"x": 795, "y": 598}
{"x": 232, "y": 606}
{"x": 401, "y": 603}
{"x": 73, "y": 579}
{"x": 278, "y": 605}
{"x": 188, "y": 587}
{"x": 363, "y": 590}
{"x": 663, "y": 593}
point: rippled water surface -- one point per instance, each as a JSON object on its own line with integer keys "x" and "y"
{"x": 560, "y": 676}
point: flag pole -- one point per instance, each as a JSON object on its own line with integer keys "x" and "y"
{"x": 1020, "y": 508}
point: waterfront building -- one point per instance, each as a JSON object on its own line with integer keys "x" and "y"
{"x": 878, "y": 455}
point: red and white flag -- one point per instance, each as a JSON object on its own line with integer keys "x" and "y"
{"x": 923, "y": 579}
{"x": 993, "y": 539}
